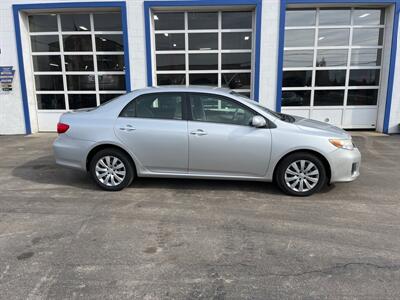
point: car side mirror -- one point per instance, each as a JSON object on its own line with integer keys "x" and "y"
{"x": 258, "y": 122}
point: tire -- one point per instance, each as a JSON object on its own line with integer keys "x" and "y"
{"x": 304, "y": 180}
{"x": 111, "y": 169}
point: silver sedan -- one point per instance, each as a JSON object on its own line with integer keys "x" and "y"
{"x": 195, "y": 132}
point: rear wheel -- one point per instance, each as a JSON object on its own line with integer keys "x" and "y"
{"x": 301, "y": 174}
{"x": 111, "y": 169}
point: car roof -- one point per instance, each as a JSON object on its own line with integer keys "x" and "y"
{"x": 183, "y": 88}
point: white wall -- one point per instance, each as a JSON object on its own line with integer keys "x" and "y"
{"x": 269, "y": 52}
{"x": 11, "y": 111}
{"x": 395, "y": 108}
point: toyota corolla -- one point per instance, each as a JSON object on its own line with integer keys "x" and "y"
{"x": 196, "y": 132}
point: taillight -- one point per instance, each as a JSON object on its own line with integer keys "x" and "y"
{"x": 61, "y": 127}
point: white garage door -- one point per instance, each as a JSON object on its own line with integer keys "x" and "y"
{"x": 332, "y": 64}
{"x": 78, "y": 62}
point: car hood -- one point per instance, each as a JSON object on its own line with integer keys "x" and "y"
{"x": 314, "y": 126}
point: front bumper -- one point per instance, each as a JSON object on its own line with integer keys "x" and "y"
{"x": 71, "y": 152}
{"x": 345, "y": 165}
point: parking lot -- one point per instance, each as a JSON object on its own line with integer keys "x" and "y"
{"x": 62, "y": 237}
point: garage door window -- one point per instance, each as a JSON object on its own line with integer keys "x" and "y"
{"x": 204, "y": 48}
{"x": 78, "y": 59}
{"x": 332, "y": 57}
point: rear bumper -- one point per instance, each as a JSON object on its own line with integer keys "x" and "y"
{"x": 71, "y": 152}
{"x": 345, "y": 165}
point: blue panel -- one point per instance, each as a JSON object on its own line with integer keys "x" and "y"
{"x": 18, "y": 7}
{"x": 282, "y": 16}
{"x": 392, "y": 54}
{"x": 389, "y": 94}
{"x": 25, "y": 104}
{"x": 257, "y": 3}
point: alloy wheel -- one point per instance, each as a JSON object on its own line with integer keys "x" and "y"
{"x": 302, "y": 176}
{"x": 110, "y": 170}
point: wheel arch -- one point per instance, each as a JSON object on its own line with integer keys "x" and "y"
{"x": 100, "y": 147}
{"x": 323, "y": 159}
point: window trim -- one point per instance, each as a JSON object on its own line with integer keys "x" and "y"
{"x": 190, "y": 117}
{"x": 183, "y": 106}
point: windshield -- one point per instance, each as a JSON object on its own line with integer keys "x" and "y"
{"x": 280, "y": 116}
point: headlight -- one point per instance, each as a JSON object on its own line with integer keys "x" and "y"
{"x": 344, "y": 144}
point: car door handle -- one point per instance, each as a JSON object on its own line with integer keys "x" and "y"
{"x": 199, "y": 132}
{"x": 128, "y": 128}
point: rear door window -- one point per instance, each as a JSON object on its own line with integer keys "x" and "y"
{"x": 155, "y": 106}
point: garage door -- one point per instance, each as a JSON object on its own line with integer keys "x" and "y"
{"x": 78, "y": 62}
{"x": 332, "y": 64}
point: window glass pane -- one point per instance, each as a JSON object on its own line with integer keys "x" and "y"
{"x": 298, "y": 58}
{"x": 110, "y": 63}
{"x": 236, "y": 40}
{"x": 296, "y": 98}
{"x": 246, "y": 94}
{"x": 203, "y": 79}
{"x": 112, "y": 82}
{"x": 236, "y": 61}
{"x": 171, "y": 79}
{"x": 237, "y": 20}
{"x": 366, "y": 57}
{"x": 160, "y": 106}
{"x": 369, "y": 16}
{"x": 49, "y": 83}
{"x": 332, "y": 58}
{"x": 77, "y": 42}
{"x": 107, "y": 97}
{"x": 77, "y": 101}
{"x": 203, "y": 41}
{"x": 362, "y": 97}
{"x": 80, "y": 82}
{"x": 211, "y": 108}
{"x": 330, "y": 77}
{"x": 43, "y": 23}
{"x": 367, "y": 36}
{"x": 299, "y": 37}
{"x": 50, "y": 101}
{"x": 364, "y": 77}
{"x": 203, "y": 61}
{"x": 296, "y": 78}
{"x": 45, "y": 43}
{"x": 46, "y": 63}
{"x": 300, "y": 17}
{"x": 109, "y": 42}
{"x": 328, "y": 97}
{"x": 236, "y": 80}
{"x": 202, "y": 20}
{"x": 75, "y": 22}
{"x": 170, "y": 61}
{"x": 170, "y": 41}
{"x": 78, "y": 62}
{"x": 107, "y": 21}
{"x": 333, "y": 37}
{"x": 169, "y": 21}
{"x": 334, "y": 17}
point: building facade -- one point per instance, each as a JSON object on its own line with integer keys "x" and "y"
{"x": 333, "y": 61}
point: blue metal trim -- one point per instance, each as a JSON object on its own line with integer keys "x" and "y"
{"x": 258, "y": 6}
{"x": 392, "y": 55}
{"x": 18, "y": 7}
{"x": 25, "y": 105}
{"x": 282, "y": 16}
{"x": 389, "y": 93}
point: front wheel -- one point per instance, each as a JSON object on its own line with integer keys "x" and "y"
{"x": 301, "y": 174}
{"x": 111, "y": 169}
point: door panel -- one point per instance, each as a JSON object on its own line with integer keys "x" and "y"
{"x": 160, "y": 145}
{"x": 226, "y": 149}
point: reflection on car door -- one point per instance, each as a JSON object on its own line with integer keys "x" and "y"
{"x": 221, "y": 140}
{"x": 154, "y": 129}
